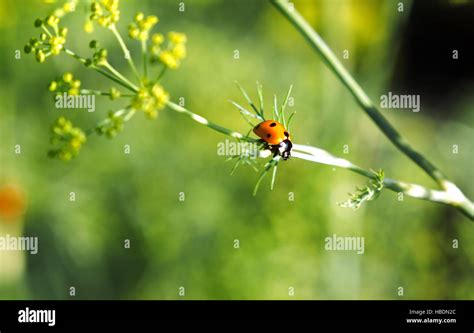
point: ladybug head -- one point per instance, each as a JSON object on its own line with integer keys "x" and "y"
{"x": 285, "y": 149}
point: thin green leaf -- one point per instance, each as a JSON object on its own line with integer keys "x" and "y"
{"x": 236, "y": 165}
{"x": 246, "y": 96}
{"x": 289, "y": 121}
{"x": 275, "y": 109}
{"x": 268, "y": 166}
{"x": 260, "y": 97}
{"x": 366, "y": 193}
{"x": 252, "y": 164}
{"x": 283, "y": 106}
{"x": 244, "y": 112}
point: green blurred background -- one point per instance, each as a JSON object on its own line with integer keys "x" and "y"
{"x": 190, "y": 243}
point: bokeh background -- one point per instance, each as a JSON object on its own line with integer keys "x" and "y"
{"x": 190, "y": 243}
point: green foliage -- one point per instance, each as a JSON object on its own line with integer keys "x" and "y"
{"x": 149, "y": 96}
{"x": 258, "y": 113}
{"x": 366, "y": 193}
{"x": 189, "y": 243}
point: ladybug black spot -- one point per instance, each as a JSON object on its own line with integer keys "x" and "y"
{"x": 269, "y": 135}
{"x": 273, "y": 124}
{"x": 286, "y": 134}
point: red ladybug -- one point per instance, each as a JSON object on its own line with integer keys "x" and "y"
{"x": 276, "y": 137}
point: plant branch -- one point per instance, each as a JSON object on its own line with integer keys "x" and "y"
{"x": 109, "y": 76}
{"x": 102, "y": 93}
{"x": 126, "y": 51}
{"x": 144, "y": 55}
{"x": 328, "y": 56}
{"x": 118, "y": 75}
{"x": 321, "y": 156}
{"x": 203, "y": 121}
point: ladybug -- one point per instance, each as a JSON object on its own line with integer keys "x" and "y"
{"x": 276, "y": 137}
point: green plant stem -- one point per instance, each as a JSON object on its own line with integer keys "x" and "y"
{"x": 355, "y": 89}
{"x": 203, "y": 121}
{"x": 115, "y": 79}
{"x": 119, "y": 75}
{"x": 162, "y": 72}
{"x": 321, "y": 156}
{"x": 368, "y": 106}
{"x": 126, "y": 112}
{"x": 46, "y": 30}
{"x": 102, "y": 93}
{"x": 126, "y": 51}
{"x": 109, "y": 76}
{"x": 144, "y": 55}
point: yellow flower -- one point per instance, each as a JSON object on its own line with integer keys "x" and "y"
{"x": 69, "y": 6}
{"x": 40, "y": 56}
{"x": 111, "y": 5}
{"x": 53, "y": 86}
{"x": 160, "y": 95}
{"x": 179, "y": 51}
{"x": 88, "y": 26}
{"x": 106, "y": 12}
{"x": 67, "y": 138}
{"x": 177, "y": 37}
{"x": 133, "y": 32}
{"x": 157, "y": 39}
{"x": 167, "y": 58}
{"x": 173, "y": 53}
{"x": 139, "y": 17}
{"x": 142, "y": 26}
{"x": 150, "y": 99}
{"x": 148, "y": 23}
{"x": 76, "y": 84}
{"x": 143, "y": 35}
{"x": 67, "y": 77}
{"x": 52, "y": 20}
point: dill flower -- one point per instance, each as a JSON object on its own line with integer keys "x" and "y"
{"x": 49, "y": 43}
{"x": 168, "y": 59}
{"x": 67, "y": 138}
{"x": 105, "y": 12}
{"x": 177, "y": 37}
{"x": 173, "y": 53}
{"x": 157, "y": 39}
{"x": 140, "y": 29}
{"x": 150, "y": 99}
{"x": 66, "y": 83}
{"x": 111, "y": 126}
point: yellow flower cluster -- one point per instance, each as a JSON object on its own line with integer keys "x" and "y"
{"x": 48, "y": 43}
{"x": 105, "y": 12}
{"x": 150, "y": 99}
{"x": 142, "y": 26}
{"x": 66, "y": 8}
{"x": 112, "y": 126}
{"x": 68, "y": 138}
{"x": 65, "y": 84}
{"x": 171, "y": 55}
